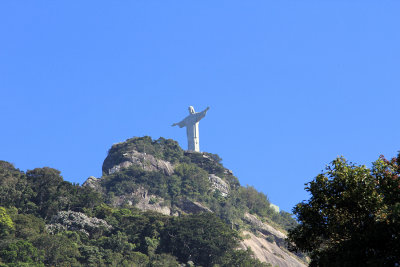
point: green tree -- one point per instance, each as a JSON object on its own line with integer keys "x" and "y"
{"x": 352, "y": 217}
{"x": 14, "y": 190}
{"x": 165, "y": 260}
{"x": 241, "y": 258}
{"x": 28, "y": 226}
{"x": 6, "y": 223}
{"x": 45, "y": 183}
{"x": 174, "y": 186}
{"x": 256, "y": 201}
{"x": 195, "y": 181}
{"x": 58, "y": 249}
{"x": 21, "y": 253}
{"x": 203, "y": 238}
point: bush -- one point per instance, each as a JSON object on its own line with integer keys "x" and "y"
{"x": 6, "y": 224}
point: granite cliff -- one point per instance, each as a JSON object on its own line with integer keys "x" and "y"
{"x": 154, "y": 205}
{"x": 157, "y": 175}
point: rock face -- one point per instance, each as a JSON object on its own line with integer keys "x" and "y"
{"x": 76, "y": 221}
{"x": 142, "y": 200}
{"x": 189, "y": 206}
{"x": 146, "y": 161}
{"x": 92, "y": 182}
{"x": 263, "y": 227}
{"x": 219, "y": 184}
{"x": 269, "y": 251}
{"x": 269, "y": 244}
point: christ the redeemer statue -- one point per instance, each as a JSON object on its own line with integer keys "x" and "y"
{"x": 191, "y": 122}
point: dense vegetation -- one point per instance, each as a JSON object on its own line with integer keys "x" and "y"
{"x": 29, "y": 200}
{"x": 190, "y": 180}
{"x": 46, "y": 221}
{"x": 352, "y": 217}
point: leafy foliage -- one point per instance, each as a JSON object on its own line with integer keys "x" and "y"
{"x": 6, "y": 224}
{"x": 30, "y": 201}
{"x": 202, "y": 238}
{"x": 194, "y": 180}
{"x": 256, "y": 202}
{"x": 241, "y": 258}
{"x": 166, "y": 149}
{"x": 21, "y": 252}
{"x": 190, "y": 180}
{"x": 352, "y": 217}
{"x": 136, "y": 239}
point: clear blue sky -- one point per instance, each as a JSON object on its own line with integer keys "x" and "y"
{"x": 291, "y": 84}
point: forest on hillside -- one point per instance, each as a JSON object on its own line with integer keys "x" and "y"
{"x": 351, "y": 219}
{"x": 189, "y": 180}
{"x": 47, "y": 221}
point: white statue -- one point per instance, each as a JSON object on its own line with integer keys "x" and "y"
{"x": 191, "y": 123}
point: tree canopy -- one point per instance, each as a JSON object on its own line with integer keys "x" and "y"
{"x": 46, "y": 221}
{"x": 31, "y": 236}
{"x": 352, "y": 217}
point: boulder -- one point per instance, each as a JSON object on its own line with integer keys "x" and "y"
{"x": 269, "y": 251}
{"x": 142, "y": 200}
{"x": 146, "y": 161}
{"x": 264, "y": 227}
{"x": 92, "y": 182}
{"x": 219, "y": 184}
{"x": 76, "y": 221}
{"x": 189, "y": 206}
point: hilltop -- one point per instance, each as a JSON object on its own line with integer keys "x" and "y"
{"x": 155, "y": 205}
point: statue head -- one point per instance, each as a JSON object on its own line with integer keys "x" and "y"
{"x": 191, "y": 110}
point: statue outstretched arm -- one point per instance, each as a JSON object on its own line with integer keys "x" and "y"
{"x": 202, "y": 114}
{"x": 180, "y": 124}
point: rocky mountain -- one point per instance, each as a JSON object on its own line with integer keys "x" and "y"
{"x": 157, "y": 175}
{"x": 155, "y": 205}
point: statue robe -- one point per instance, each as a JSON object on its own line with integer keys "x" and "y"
{"x": 191, "y": 123}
